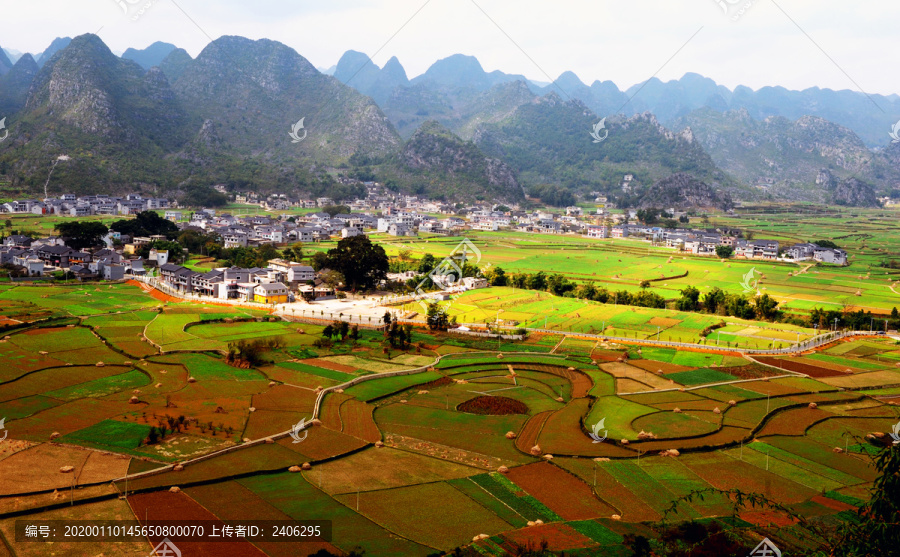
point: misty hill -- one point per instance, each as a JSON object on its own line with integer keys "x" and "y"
{"x": 58, "y": 44}
{"x": 15, "y": 83}
{"x": 785, "y": 156}
{"x": 548, "y": 141}
{"x": 151, "y": 56}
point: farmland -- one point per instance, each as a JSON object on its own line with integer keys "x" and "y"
{"x": 473, "y": 443}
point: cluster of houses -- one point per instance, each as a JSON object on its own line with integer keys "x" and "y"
{"x": 281, "y": 282}
{"x": 82, "y": 206}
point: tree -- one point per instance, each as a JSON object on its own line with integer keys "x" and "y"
{"x": 319, "y": 260}
{"x": 362, "y": 263}
{"x": 174, "y": 249}
{"x": 437, "y": 317}
{"x": 328, "y": 331}
{"x": 875, "y": 531}
{"x": 689, "y": 301}
{"x": 724, "y": 252}
{"x": 293, "y": 253}
{"x": 204, "y": 196}
{"x": 495, "y": 276}
{"x": 80, "y": 235}
{"x": 146, "y": 223}
{"x": 332, "y": 278}
{"x": 333, "y": 210}
{"x": 426, "y": 264}
{"x": 766, "y": 307}
{"x": 714, "y": 299}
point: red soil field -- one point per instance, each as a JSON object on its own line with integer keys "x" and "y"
{"x": 799, "y": 367}
{"x": 316, "y": 362}
{"x": 330, "y": 411}
{"x": 728, "y": 434}
{"x": 233, "y": 501}
{"x": 322, "y": 443}
{"x": 652, "y": 366}
{"x": 357, "y": 421}
{"x": 164, "y": 505}
{"x": 794, "y": 421}
{"x": 581, "y": 383}
{"x": 562, "y": 492}
{"x": 833, "y": 504}
{"x": 284, "y": 397}
{"x": 767, "y": 518}
{"x": 529, "y": 434}
{"x": 493, "y": 406}
{"x": 559, "y": 537}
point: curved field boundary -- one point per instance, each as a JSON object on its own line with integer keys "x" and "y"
{"x": 528, "y": 435}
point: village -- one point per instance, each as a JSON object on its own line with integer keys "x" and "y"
{"x": 381, "y": 212}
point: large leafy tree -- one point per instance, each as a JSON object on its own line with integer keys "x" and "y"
{"x": 80, "y": 235}
{"x": 362, "y": 263}
{"x": 146, "y": 223}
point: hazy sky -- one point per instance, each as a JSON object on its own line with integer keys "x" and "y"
{"x": 626, "y": 41}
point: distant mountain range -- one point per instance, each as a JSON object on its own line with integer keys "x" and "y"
{"x": 157, "y": 119}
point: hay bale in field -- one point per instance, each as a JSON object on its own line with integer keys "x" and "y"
{"x": 294, "y": 469}
{"x": 530, "y": 523}
{"x": 510, "y": 434}
{"x": 535, "y": 450}
{"x": 339, "y": 391}
{"x": 67, "y": 469}
{"x": 676, "y": 410}
{"x": 423, "y": 392}
{"x": 43, "y": 352}
{"x": 732, "y": 403}
{"x": 246, "y": 439}
{"x": 272, "y": 383}
{"x": 269, "y": 441}
{"x": 616, "y": 517}
{"x": 178, "y": 467}
{"x": 624, "y": 441}
{"x": 716, "y": 410}
{"x": 163, "y": 371}
{"x": 379, "y": 444}
{"x": 571, "y": 369}
{"x": 547, "y": 457}
{"x": 646, "y": 435}
{"x": 316, "y": 422}
{"x": 99, "y": 364}
{"x": 133, "y": 400}
{"x": 127, "y": 363}
{"x": 813, "y": 405}
{"x": 503, "y": 469}
{"x": 669, "y": 452}
{"x": 158, "y": 385}
{"x": 538, "y": 522}
{"x": 252, "y": 409}
{"x": 837, "y": 450}
{"x": 174, "y": 489}
{"x": 54, "y": 435}
{"x": 306, "y": 466}
{"x": 191, "y": 379}
{"x": 499, "y": 356}
{"x": 601, "y": 459}
{"x": 560, "y": 399}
